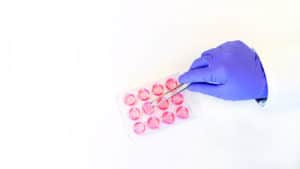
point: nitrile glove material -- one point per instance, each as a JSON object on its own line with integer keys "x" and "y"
{"x": 231, "y": 71}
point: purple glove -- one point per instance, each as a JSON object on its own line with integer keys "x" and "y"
{"x": 232, "y": 71}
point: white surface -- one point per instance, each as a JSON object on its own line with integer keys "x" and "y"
{"x": 63, "y": 62}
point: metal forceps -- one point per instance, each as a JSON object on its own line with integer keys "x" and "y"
{"x": 173, "y": 92}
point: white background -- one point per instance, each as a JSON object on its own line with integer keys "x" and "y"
{"x": 62, "y": 64}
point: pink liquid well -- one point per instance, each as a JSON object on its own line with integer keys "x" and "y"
{"x": 177, "y": 99}
{"x": 157, "y": 89}
{"x": 134, "y": 113}
{"x": 129, "y": 99}
{"x": 162, "y": 103}
{"x": 143, "y": 94}
{"x": 168, "y": 117}
{"x": 148, "y": 108}
{"x": 182, "y": 112}
{"x": 139, "y": 128}
{"x": 171, "y": 83}
{"x": 153, "y": 122}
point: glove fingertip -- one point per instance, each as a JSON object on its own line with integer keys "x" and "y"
{"x": 183, "y": 78}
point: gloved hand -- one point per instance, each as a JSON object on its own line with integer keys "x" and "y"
{"x": 231, "y": 71}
